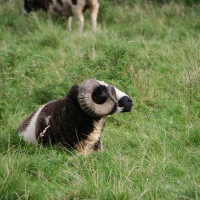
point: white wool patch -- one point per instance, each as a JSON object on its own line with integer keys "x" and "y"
{"x": 29, "y": 133}
{"x": 47, "y": 119}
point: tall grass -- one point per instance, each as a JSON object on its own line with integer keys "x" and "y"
{"x": 151, "y": 52}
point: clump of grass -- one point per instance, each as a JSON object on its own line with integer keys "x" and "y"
{"x": 148, "y": 50}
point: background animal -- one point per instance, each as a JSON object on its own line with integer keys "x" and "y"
{"x": 77, "y": 120}
{"x": 67, "y": 8}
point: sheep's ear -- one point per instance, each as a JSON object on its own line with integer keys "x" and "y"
{"x": 100, "y": 94}
{"x": 112, "y": 93}
{"x": 73, "y": 90}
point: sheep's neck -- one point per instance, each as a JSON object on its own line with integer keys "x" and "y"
{"x": 85, "y": 147}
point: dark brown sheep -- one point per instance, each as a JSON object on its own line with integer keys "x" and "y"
{"x": 77, "y": 120}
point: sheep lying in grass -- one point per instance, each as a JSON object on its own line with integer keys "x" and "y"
{"x": 67, "y": 8}
{"x": 77, "y": 120}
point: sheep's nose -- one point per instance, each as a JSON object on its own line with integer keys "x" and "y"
{"x": 125, "y": 101}
{"x": 129, "y": 101}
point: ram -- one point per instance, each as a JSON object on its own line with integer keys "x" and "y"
{"x": 67, "y": 8}
{"x": 77, "y": 120}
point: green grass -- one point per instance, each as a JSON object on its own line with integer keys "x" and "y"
{"x": 151, "y": 52}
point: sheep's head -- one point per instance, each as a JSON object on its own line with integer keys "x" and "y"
{"x": 34, "y": 5}
{"x": 99, "y": 99}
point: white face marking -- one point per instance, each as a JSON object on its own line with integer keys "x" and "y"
{"x": 29, "y": 133}
{"x": 119, "y": 94}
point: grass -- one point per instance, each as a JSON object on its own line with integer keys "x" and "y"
{"x": 151, "y": 52}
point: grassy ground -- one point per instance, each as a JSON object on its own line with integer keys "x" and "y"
{"x": 151, "y": 52}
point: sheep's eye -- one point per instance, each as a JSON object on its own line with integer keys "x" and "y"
{"x": 103, "y": 93}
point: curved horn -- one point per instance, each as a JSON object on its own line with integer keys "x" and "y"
{"x": 88, "y": 105}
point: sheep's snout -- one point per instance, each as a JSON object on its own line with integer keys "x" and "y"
{"x": 126, "y": 103}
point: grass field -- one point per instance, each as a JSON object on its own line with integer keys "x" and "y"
{"x": 151, "y": 52}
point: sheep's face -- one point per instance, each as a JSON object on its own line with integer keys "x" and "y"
{"x": 33, "y": 5}
{"x": 123, "y": 101}
{"x": 98, "y": 99}
{"x": 29, "y": 5}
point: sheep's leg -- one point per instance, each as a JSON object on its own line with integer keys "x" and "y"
{"x": 78, "y": 13}
{"x": 93, "y": 15}
{"x": 85, "y": 148}
{"x": 69, "y": 23}
{"x": 80, "y": 25}
{"x": 98, "y": 146}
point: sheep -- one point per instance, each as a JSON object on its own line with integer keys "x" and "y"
{"x": 76, "y": 121}
{"x": 67, "y": 8}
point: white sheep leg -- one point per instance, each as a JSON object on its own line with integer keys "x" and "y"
{"x": 80, "y": 25}
{"x": 69, "y": 23}
{"x": 78, "y": 13}
{"x": 93, "y": 15}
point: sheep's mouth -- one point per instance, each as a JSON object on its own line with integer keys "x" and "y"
{"x": 127, "y": 109}
{"x": 125, "y": 103}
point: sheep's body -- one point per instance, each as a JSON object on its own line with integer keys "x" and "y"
{"x": 67, "y": 8}
{"x": 55, "y": 122}
{"x": 65, "y": 122}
